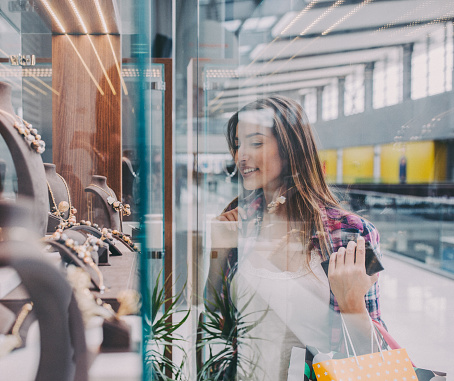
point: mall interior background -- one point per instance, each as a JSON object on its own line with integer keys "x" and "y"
{"x": 375, "y": 79}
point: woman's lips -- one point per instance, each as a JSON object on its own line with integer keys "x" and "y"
{"x": 249, "y": 171}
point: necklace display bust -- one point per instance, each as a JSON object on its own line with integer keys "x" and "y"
{"x": 31, "y": 177}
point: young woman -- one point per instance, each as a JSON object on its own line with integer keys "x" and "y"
{"x": 288, "y": 223}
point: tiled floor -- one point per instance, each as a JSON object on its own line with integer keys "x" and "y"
{"x": 418, "y": 308}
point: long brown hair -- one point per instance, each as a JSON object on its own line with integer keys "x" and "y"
{"x": 304, "y": 180}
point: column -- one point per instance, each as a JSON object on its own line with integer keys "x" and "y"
{"x": 369, "y": 86}
{"x": 341, "y": 97}
{"x": 339, "y": 169}
{"x": 406, "y": 80}
{"x": 320, "y": 103}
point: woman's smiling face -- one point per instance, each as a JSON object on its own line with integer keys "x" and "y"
{"x": 257, "y": 157}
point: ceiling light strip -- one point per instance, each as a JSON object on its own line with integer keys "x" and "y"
{"x": 345, "y": 17}
{"x": 364, "y": 3}
{"x": 101, "y": 16}
{"x": 79, "y": 17}
{"x": 296, "y": 18}
{"x": 29, "y": 91}
{"x": 210, "y": 103}
{"x": 322, "y": 16}
{"x": 53, "y": 15}
{"x": 85, "y": 66}
{"x": 438, "y": 20}
{"x": 292, "y": 57}
{"x": 34, "y": 86}
{"x": 414, "y": 10}
{"x": 316, "y": 21}
{"x": 123, "y": 84}
{"x": 14, "y": 83}
{"x": 45, "y": 84}
{"x": 102, "y": 66}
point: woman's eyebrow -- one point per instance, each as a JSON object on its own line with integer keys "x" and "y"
{"x": 254, "y": 134}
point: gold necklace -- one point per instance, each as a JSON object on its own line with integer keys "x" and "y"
{"x": 63, "y": 206}
{"x": 116, "y": 205}
{"x": 273, "y": 206}
{"x": 110, "y": 198}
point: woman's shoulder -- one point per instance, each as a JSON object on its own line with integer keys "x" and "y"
{"x": 347, "y": 220}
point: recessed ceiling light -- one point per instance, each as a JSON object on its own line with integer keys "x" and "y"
{"x": 232, "y": 25}
{"x": 244, "y": 49}
{"x": 259, "y": 23}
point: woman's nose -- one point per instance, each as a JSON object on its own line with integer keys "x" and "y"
{"x": 242, "y": 153}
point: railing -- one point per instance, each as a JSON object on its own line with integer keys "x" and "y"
{"x": 421, "y": 228}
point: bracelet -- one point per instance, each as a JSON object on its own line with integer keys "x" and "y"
{"x": 13, "y": 341}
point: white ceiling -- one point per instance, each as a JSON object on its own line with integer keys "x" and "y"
{"x": 371, "y": 15}
{"x": 301, "y": 46}
{"x": 319, "y": 41}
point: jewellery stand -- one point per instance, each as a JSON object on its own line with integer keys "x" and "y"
{"x": 60, "y": 193}
{"x": 16, "y": 216}
{"x": 82, "y": 234}
{"x": 113, "y": 247}
{"x": 103, "y": 213}
{"x": 2, "y": 176}
{"x": 70, "y": 257}
{"x": 63, "y": 351}
{"x": 31, "y": 177}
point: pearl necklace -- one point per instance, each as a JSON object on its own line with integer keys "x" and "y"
{"x": 30, "y": 135}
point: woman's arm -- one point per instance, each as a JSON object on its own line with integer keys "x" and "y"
{"x": 349, "y": 284}
{"x": 224, "y": 239}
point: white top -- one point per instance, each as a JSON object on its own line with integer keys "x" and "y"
{"x": 291, "y": 308}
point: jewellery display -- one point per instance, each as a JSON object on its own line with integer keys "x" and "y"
{"x": 126, "y": 239}
{"x": 10, "y": 342}
{"x": 89, "y": 305}
{"x": 63, "y": 206}
{"x": 118, "y": 206}
{"x": 29, "y": 133}
{"x": 84, "y": 251}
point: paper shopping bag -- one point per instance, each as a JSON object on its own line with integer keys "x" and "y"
{"x": 393, "y": 365}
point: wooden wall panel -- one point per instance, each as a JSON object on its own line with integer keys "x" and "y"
{"x": 86, "y": 119}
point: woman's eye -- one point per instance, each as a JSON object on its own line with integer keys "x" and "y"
{"x": 256, "y": 144}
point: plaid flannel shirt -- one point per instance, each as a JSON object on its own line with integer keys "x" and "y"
{"x": 335, "y": 221}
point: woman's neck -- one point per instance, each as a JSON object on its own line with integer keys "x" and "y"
{"x": 272, "y": 192}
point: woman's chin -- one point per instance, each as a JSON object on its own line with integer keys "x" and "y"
{"x": 250, "y": 186}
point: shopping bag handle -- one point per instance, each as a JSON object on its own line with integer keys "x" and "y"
{"x": 373, "y": 335}
{"x": 392, "y": 343}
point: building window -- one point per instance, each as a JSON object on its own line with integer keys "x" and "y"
{"x": 310, "y": 106}
{"x": 330, "y": 101}
{"x": 354, "y": 92}
{"x": 432, "y": 63}
{"x": 388, "y": 80}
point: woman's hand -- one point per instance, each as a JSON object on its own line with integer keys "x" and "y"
{"x": 233, "y": 216}
{"x": 348, "y": 279}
